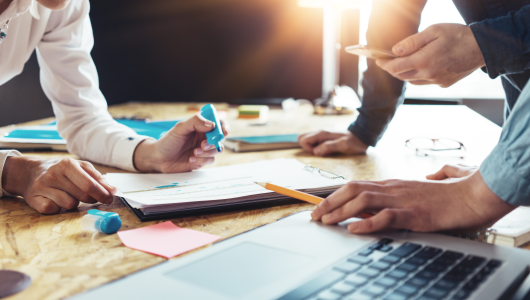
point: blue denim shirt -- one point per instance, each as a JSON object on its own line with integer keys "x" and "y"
{"x": 502, "y": 31}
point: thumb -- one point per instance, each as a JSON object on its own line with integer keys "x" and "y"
{"x": 328, "y": 147}
{"x": 196, "y": 123}
{"x": 448, "y": 171}
{"x": 413, "y": 43}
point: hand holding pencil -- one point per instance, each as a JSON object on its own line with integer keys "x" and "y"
{"x": 300, "y": 195}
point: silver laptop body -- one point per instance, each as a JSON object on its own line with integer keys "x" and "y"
{"x": 296, "y": 258}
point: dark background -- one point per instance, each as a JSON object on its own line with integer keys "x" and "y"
{"x": 196, "y": 50}
{"x": 207, "y": 51}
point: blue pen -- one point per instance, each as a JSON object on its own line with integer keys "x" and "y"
{"x": 215, "y": 136}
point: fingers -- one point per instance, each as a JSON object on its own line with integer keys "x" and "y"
{"x": 365, "y": 202}
{"x": 60, "y": 198}
{"x": 77, "y": 175}
{"x": 420, "y": 82}
{"x": 195, "y": 123}
{"x": 330, "y": 147}
{"x": 206, "y": 150}
{"x": 398, "y": 66}
{"x": 452, "y": 171}
{"x": 407, "y": 67}
{"x": 89, "y": 168}
{"x": 387, "y": 218}
{"x": 199, "y": 162}
{"x": 67, "y": 186}
{"x": 226, "y": 127}
{"x": 309, "y": 141}
{"x": 346, "y": 193}
{"x": 43, "y": 205}
{"x": 414, "y": 42}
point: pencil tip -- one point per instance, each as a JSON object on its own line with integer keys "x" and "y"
{"x": 261, "y": 183}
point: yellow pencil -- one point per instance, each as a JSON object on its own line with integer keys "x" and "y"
{"x": 301, "y": 196}
{"x": 291, "y": 193}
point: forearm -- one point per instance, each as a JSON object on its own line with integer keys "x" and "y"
{"x": 390, "y": 22}
{"x": 489, "y": 204}
{"x": 144, "y": 159}
{"x": 4, "y": 155}
{"x": 382, "y": 96}
{"x": 504, "y": 42}
{"x": 16, "y": 172}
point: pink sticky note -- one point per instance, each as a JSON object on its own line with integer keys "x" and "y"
{"x": 165, "y": 239}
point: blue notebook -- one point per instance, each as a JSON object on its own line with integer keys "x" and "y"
{"x": 46, "y": 137}
{"x": 260, "y": 143}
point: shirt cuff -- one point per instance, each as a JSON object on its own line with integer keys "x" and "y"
{"x": 123, "y": 152}
{"x": 500, "y": 46}
{"x": 503, "y": 179}
{"x": 363, "y": 135}
{"x": 3, "y": 156}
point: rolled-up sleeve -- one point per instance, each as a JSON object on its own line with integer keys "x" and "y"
{"x": 69, "y": 79}
{"x": 4, "y": 154}
{"x": 506, "y": 170}
{"x": 505, "y": 42}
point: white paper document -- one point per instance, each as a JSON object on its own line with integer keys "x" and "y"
{"x": 221, "y": 183}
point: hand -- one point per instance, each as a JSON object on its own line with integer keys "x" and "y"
{"x": 442, "y": 54}
{"x": 325, "y": 143}
{"x": 424, "y": 206}
{"x": 453, "y": 171}
{"x": 181, "y": 149}
{"x": 48, "y": 185}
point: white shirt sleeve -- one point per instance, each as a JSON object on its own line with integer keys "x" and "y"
{"x": 69, "y": 79}
{"x": 4, "y": 154}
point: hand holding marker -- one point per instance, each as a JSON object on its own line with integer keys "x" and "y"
{"x": 216, "y": 136}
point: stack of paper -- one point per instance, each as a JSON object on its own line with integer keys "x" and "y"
{"x": 513, "y": 229}
{"x": 219, "y": 187}
{"x": 260, "y": 143}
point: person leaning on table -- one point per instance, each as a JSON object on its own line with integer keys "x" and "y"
{"x": 60, "y": 30}
{"x": 457, "y": 197}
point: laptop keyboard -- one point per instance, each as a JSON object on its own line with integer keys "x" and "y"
{"x": 410, "y": 271}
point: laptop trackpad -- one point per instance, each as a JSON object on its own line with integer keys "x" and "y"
{"x": 241, "y": 269}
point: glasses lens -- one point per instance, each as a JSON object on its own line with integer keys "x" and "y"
{"x": 447, "y": 144}
{"x": 422, "y": 143}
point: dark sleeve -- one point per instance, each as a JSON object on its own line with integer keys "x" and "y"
{"x": 505, "y": 42}
{"x": 390, "y": 22}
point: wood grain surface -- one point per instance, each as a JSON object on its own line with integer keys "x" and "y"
{"x": 63, "y": 260}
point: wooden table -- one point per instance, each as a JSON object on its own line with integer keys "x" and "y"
{"x": 63, "y": 260}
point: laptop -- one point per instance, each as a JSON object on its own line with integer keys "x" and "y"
{"x": 297, "y": 258}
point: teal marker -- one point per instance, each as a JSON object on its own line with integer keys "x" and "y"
{"x": 215, "y": 136}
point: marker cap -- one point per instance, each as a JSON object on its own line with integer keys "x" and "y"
{"x": 102, "y": 221}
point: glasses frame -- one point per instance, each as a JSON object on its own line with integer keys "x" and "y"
{"x": 423, "y": 151}
{"x": 323, "y": 172}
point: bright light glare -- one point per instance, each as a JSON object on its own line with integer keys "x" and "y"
{"x": 337, "y": 4}
{"x": 475, "y": 86}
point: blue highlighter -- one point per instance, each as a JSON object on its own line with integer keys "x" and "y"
{"x": 215, "y": 136}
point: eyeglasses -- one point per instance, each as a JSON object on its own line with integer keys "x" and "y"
{"x": 436, "y": 147}
{"x": 322, "y": 172}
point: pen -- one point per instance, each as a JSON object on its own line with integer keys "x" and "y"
{"x": 301, "y": 196}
